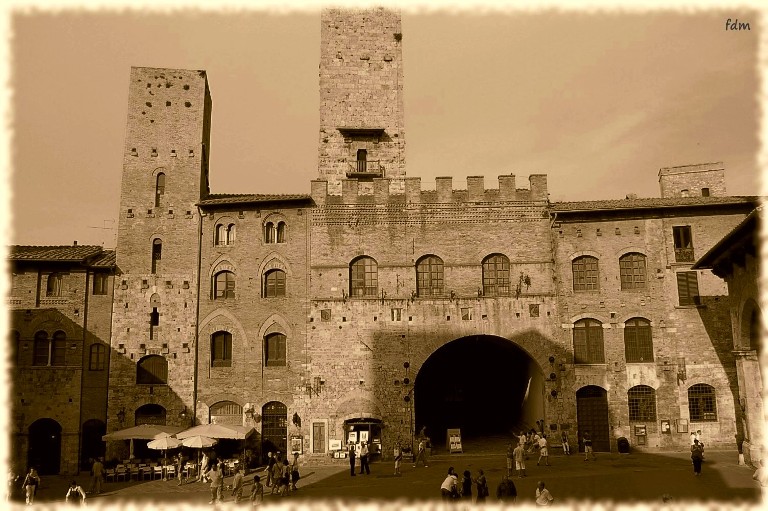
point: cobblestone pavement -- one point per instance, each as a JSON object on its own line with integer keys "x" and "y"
{"x": 618, "y": 478}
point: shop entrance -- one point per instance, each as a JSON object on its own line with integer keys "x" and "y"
{"x": 45, "y": 446}
{"x": 364, "y": 430}
{"x": 482, "y": 384}
{"x": 592, "y": 416}
{"x": 274, "y": 429}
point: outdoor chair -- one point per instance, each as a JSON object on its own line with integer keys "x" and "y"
{"x": 110, "y": 472}
{"x": 121, "y": 471}
{"x": 135, "y": 472}
{"x": 146, "y": 471}
{"x": 157, "y": 471}
{"x": 170, "y": 471}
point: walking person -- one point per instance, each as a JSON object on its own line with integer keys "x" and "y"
{"x": 422, "y": 454}
{"x": 216, "y": 478}
{"x": 75, "y": 491}
{"x": 97, "y": 474}
{"x": 566, "y": 445}
{"x": 285, "y": 478}
{"x": 352, "y": 455}
{"x": 466, "y": 486}
{"x": 180, "y": 459}
{"x": 696, "y": 457}
{"x": 13, "y": 477}
{"x": 482, "y": 487}
{"x": 543, "y": 497}
{"x": 510, "y": 459}
{"x": 448, "y": 489}
{"x": 398, "y": 454}
{"x": 203, "y": 468}
{"x": 270, "y": 464}
{"x": 519, "y": 455}
{"x": 700, "y": 438}
{"x": 506, "y": 491}
{"x": 543, "y": 450}
{"x": 277, "y": 476}
{"x": 257, "y": 492}
{"x": 30, "y": 484}
{"x": 588, "y": 447}
{"x": 295, "y": 471}
{"x": 364, "y": 459}
{"x": 237, "y": 485}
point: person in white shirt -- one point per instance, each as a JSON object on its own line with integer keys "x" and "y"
{"x": 449, "y": 487}
{"x": 543, "y": 497}
{"x": 543, "y": 451}
{"x": 75, "y": 491}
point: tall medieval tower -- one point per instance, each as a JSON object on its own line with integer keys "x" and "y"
{"x": 361, "y": 99}
{"x": 165, "y": 174}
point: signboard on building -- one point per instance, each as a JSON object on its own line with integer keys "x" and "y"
{"x": 453, "y": 440}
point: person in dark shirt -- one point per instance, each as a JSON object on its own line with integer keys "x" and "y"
{"x": 506, "y": 491}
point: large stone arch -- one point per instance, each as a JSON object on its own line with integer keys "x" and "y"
{"x": 751, "y": 327}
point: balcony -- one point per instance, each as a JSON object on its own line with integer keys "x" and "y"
{"x": 684, "y": 255}
{"x": 365, "y": 169}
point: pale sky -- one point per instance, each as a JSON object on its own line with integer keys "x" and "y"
{"x": 599, "y": 102}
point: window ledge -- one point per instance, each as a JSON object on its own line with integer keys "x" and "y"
{"x": 690, "y": 306}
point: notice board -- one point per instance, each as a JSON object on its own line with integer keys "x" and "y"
{"x": 453, "y": 440}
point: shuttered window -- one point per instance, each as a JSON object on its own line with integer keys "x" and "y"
{"x": 274, "y": 350}
{"x": 585, "y": 274}
{"x": 632, "y": 271}
{"x": 274, "y": 284}
{"x": 588, "y": 342}
{"x": 221, "y": 349}
{"x": 638, "y": 343}
{"x": 688, "y": 287}
{"x": 152, "y": 370}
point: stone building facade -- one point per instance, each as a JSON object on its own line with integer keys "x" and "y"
{"x": 372, "y": 308}
{"x": 60, "y": 305}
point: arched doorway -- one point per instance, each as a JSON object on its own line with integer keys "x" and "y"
{"x": 45, "y": 446}
{"x": 482, "y": 384}
{"x": 274, "y": 428}
{"x": 92, "y": 445}
{"x": 150, "y": 413}
{"x": 592, "y": 417}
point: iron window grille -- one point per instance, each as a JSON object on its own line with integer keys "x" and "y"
{"x": 702, "y": 403}
{"x": 496, "y": 275}
{"x": 363, "y": 278}
{"x": 642, "y": 403}
{"x": 429, "y": 276}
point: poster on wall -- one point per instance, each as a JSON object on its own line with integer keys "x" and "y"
{"x": 334, "y": 445}
{"x": 665, "y": 426}
{"x": 364, "y": 436}
{"x": 297, "y": 444}
{"x": 352, "y": 437}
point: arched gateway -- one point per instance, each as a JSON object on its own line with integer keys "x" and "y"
{"x": 484, "y": 385}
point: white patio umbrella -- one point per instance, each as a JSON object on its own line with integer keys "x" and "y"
{"x": 199, "y": 442}
{"x": 226, "y": 431}
{"x": 142, "y": 432}
{"x": 163, "y": 444}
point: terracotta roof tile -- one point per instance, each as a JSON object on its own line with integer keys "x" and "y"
{"x": 75, "y": 253}
{"x": 649, "y": 203}
{"x": 251, "y": 198}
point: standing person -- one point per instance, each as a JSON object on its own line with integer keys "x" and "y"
{"x": 75, "y": 491}
{"x": 277, "y": 476}
{"x": 295, "y": 471}
{"x": 448, "y": 488}
{"x": 566, "y": 445}
{"x": 364, "y": 459}
{"x": 519, "y": 455}
{"x": 270, "y": 464}
{"x": 216, "y": 478}
{"x": 12, "y": 478}
{"x": 285, "y": 478}
{"x": 352, "y": 455}
{"x": 506, "y": 491}
{"x": 257, "y": 492}
{"x": 696, "y": 456}
{"x": 97, "y": 473}
{"x": 422, "y": 454}
{"x": 543, "y": 497}
{"x": 588, "y": 447}
{"x": 543, "y": 450}
{"x": 700, "y": 438}
{"x": 180, "y": 459}
{"x": 510, "y": 459}
{"x": 482, "y": 487}
{"x": 30, "y": 484}
{"x": 237, "y": 485}
{"x": 398, "y": 457}
{"x": 466, "y": 485}
{"x": 203, "y": 468}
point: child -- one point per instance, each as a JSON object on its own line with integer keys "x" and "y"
{"x": 398, "y": 457}
{"x": 543, "y": 450}
{"x": 257, "y": 493}
{"x": 566, "y": 445}
{"x": 543, "y": 497}
{"x": 76, "y": 492}
{"x": 237, "y": 485}
{"x": 519, "y": 455}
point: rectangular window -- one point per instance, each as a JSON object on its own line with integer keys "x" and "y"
{"x": 688, "y": 287}
{"x": 683, "y": 241}
{"x": 98, "y": 358}
{"x": 397, "y": 314}
{"x": 100, "y": 283}
{"x": 58, "y": 352}
{"x": 325, "y": 314}
{"x": 466, "y": 313}
{"x": 632, "y": 271}
{"x": 585, "y": 274}
{"x": 274, "y": 348}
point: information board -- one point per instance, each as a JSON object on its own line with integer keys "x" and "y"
{"x": 453, "y": 440}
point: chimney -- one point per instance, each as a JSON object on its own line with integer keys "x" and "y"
{"x": 75, "y": 243}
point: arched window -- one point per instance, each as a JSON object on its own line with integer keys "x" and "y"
{"x": 429, "y": 276}
{"x": 221, "y": 234}
{"x": 221, "y": 349}
{"x": 157, "y": 252}
{"x": 269, "y": 233}
{"x": 585, "y": 277}
{"x": 42, "y": 349}
{"x": 274, "y": 283}
{"x": 363, "y": 277}
{"x": 638, "y": 344}
{"x": 224, "y": 285}
{"x": 53, "y": 285}
{"x": 702, "y": 403}
{"x": 588, "y": 342}
{"x": 59, "y": 349}
{"x": 152, "y": 370}
{"x": 159, "y": 189}
{"x": 98, "y": 358}
{"x": 642, "y": 403}
{"x": 226, "y": 412}
{"x": 230, "y": 234}
{"x": 496, "y": 275}
{"x": 632, "y": 271}
{"x": 274, "y": 350}
{"x": 150, "y": 414}
{"x": 281, "y": 232}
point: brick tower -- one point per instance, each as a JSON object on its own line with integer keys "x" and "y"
{"x": 165, "y": 174}
{"x": 361, "y": 99}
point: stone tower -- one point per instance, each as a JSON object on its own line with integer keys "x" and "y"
{"x": 165, "y": 174}
{"x": 361, "y": 99}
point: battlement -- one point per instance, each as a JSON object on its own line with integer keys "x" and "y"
{"x": 360, "y": 192}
